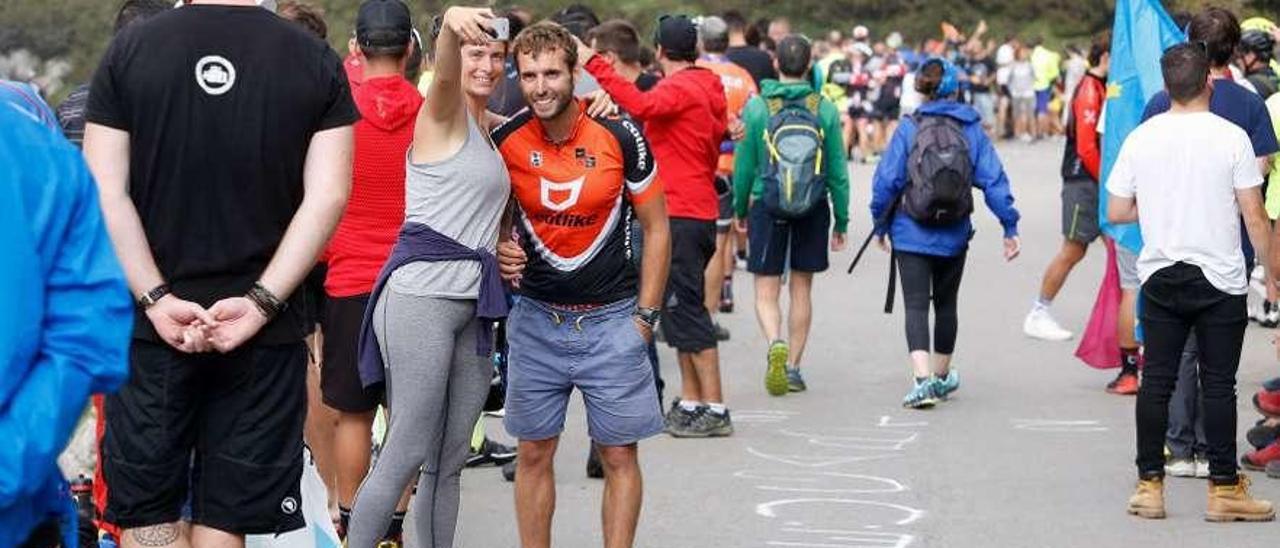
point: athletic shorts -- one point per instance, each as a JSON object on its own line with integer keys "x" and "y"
{"x": 1080, "y": 211}
{"x": 313, "y": 298}
{"x": 600, "y": 352}
{"x": 1023, "y": 106}
{"x": 888, "y": 114}
{"x": 1127, "y": 263}
{"x": 339, "y": 372}
{"x": 224, "y": 430}
{"x": 777, "y": 244}
{"x": 724, "y": 191}
{"x": 1043, "y": 96}
{"x": 686, "y": 324}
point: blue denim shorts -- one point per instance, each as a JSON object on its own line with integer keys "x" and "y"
{"x": 600, "y": 352}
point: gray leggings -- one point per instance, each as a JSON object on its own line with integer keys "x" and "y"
{"x": 436, "y": 386}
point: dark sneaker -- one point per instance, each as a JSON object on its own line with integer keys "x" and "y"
{"x": 795, "y": 382}
{"x": 679, "y": 417}
{"x": 706, "y": 424}
{"x": 595, "y": 470}
{"x": 726, "y": 296}
{"x": 775, "y": 375}
{"x": 1262, "y": 434}
{"x": 509, "y": 471}
{"x": 722, "y": 334}
{"x": 491, "y": 452}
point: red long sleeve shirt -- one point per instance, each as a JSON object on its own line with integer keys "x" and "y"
{"x": 685, "y": 120}
{"x": 1083, "y": 156}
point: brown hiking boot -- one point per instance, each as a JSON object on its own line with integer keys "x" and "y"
{"x": 1233, "y": 503}
{"x": 1148, "y": 500}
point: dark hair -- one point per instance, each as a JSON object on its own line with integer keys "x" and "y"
{"x": 413, "y": 68}
{"x": 578, "y": 19}
{"x": 618, "y": 37}
{"x": 647, "y": 56}
{"x": 514, "y": 23}
{"x": 758, "y": 32}
{"x": 543, "y": 37}
{"x": 134, "y": 11}
{"x": 1185, "y": 68}
{"x": 1219, "y": 30}
{"x": 794, "y": 56}
{"x": 1101, "y": 45}
{"x": 735, "y": 20}
{"x": 685, "y": 56}
{"x": 929, "y": 79}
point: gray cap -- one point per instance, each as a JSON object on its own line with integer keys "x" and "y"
{"x": 712, "y": 28}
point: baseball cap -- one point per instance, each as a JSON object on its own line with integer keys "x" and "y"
{"x": 677, "y": 34}
{"x": 712, "y": 28}
{"x": 383, "y": 24}
{"x": 860, "y": 32}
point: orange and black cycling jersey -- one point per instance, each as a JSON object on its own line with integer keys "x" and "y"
{"x": 575, "y": 203}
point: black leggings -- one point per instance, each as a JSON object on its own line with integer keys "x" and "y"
{"x": 923, "y": 275}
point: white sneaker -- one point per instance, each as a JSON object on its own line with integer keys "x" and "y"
{"x": 1041, "y": 325}
{"x": 1181, "y": 468}
{"x": 1202, "y": 467}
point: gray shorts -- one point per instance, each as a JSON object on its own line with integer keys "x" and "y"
{"x": 1080, "y": 211}
{"x": 599, "y": 352}
{"x": 1127, "y": 261}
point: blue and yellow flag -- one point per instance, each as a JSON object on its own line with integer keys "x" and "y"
{"x": 1140, "y": 34}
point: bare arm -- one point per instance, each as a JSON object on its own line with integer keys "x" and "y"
{"x": 1256, "y": 225}
{"x": 442, "y": 121}
{"x": 1121, "y": 210}
{"x": 327, "y": 184}
{"x": 656, "y": 262}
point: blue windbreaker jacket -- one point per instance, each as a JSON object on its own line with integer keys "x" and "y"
{"x": 66, "y": 320}
{"x": 989, "y": 176}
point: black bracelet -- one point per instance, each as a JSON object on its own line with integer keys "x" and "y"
{"x": 266, "y": 301}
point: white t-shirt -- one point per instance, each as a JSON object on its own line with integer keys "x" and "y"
{"x": 1184, "y": 169}
{"x": 1004, "y": 57}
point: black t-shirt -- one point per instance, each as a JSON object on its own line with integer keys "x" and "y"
{"x": 220, "y": 103}
{"x": 982, "y": 69}
{"x": 755, "y": 60}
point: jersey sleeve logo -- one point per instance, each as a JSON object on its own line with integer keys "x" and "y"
{"x": 568, "y": 193}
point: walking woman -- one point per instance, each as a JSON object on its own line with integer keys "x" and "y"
{"x": 428, "y": 329}
{"x": 922, "y": 201}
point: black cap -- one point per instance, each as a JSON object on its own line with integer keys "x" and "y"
{"x": 383, "y": 24}
{"x": 678, "y": 35}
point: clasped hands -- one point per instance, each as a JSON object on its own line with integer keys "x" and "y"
{"x": 190, "y": 328}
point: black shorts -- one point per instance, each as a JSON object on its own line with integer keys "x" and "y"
{"x": 313, "y": 298}
{"x": 1080, "y": 211}
{"x": 685, "y": 320}
{"x": 227, "y": 428}
{"x": 724, "y": 191}
{"x": 339, "y": 372}
{"x": 778, "y": 244}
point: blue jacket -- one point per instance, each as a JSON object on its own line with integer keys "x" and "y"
{"x": 67, "y": 315}
{"x": 891, "y": 178}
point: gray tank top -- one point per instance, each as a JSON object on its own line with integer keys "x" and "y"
{"x": 462, "y": 197}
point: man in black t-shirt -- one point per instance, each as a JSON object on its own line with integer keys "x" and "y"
{"x": 757, "y": 61}
{"x": 220, "y": 136}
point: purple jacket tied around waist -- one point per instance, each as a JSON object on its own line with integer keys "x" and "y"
{"x": 419, "y": 242}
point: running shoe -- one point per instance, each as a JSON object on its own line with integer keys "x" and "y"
{"x": 679, "y": 417}
{"x": 1125, "y": 384}
{"x": 740, "y": 260}
{"x": 944, "y": 387}
{"x": 1202, "y": 467}
{"x": 707, "y": 424}
{"x": 726, "y": 296}
{"x": 1267, "y": 402}
{"x": 1040, "y": 324}
{"x": 775, "y": 377}
{"x": 595, "y": 469}
{"x": 509, "y": 471}
{"x": 1257, "y": 460}
{"x": 921, "y": 396}
{"x": 1270, "y": 316}
{"x": 795, "y": 382}
{"x": 491, "y": 452}
{"x": 1180, "y": 468}
{"x": 722, "y": 333}
{"x": 1262, "y": 434}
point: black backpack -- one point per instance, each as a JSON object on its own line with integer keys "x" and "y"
{"x": 793, "y": 140}
{"x": 940, "y": 175}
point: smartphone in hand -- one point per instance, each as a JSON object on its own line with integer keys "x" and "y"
{"x": 501, "y": 29}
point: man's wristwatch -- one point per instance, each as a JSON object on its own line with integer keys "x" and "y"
{"x": 649, "y": 316}
{"x": 148, "y": 299}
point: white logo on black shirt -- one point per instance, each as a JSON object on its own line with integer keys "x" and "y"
{"x": 215, "y": 74}
{"x": 289, "y": 505}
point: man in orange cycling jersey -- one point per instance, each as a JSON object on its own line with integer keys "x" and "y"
{"x": 585, "y": 314}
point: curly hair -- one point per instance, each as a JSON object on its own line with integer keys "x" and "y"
{"x": 543, "y": 37}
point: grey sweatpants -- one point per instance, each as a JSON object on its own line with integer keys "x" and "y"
{"x": 436, "y": 386}
{"x": 1185, "y": 437}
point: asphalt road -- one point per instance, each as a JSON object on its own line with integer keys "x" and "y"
{"x": 1029, "y": 453}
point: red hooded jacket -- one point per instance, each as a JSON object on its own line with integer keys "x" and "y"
{"x": 685, "y": 120}
{"x": 388, "y": 107}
